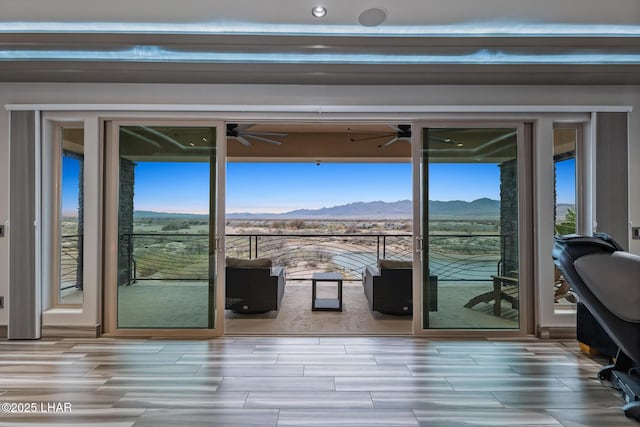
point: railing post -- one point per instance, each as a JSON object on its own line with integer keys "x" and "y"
{"x": 135, "y": 271}
{"x": 378, "y": 247}
{"x": 384, "y": 246}
{"x": 129, "y": 256}
{"x": 79, "y": 263}
{"x": 256, "y": 246}
{"x": 503, "y": 248}
{"x": 250, "y": 252}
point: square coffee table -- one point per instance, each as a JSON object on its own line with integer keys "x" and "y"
{"x": 326, "y": 304}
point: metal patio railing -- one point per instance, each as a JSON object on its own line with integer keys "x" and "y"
{"x": 71, "y": 261}
{"x": 184, "y": 256}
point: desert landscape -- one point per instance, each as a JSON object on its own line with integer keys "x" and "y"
{"x": 169, "y": 246}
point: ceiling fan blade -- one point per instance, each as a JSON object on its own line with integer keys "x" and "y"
{"x": 350, "y": 130}
{"x": 367, "y": 138}
{"x": 242, "y": 127}
{"x": 388, "y": 143}
{"x": 259, "y": 138}
{"x": 265, "y": 134}
{"x": 243, "y": 141}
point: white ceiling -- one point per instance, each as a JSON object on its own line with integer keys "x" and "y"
{"x": 244, "y": 41}
{"x": 340, "y": 12}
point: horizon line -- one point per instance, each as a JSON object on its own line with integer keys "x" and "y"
{"x": 262, "y": 212}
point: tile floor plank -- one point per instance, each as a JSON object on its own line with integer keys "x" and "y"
{"x": 347, "y": 417}
{"x": 313, "y": 399}
{"x": 307, "y": 381}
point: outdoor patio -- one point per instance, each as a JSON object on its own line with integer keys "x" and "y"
{"x": 162, "y": 303}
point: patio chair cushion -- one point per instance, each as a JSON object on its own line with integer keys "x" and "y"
{"x": 249, "y": 263}
{"x": 392, "y": 263}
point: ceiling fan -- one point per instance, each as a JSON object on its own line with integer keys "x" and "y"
{"x": 402, "y": 133}
{"x": 242, "y": 132}
{"x": 398, "y": 133}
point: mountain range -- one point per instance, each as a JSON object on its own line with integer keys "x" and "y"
{"x": 480, "y": 208}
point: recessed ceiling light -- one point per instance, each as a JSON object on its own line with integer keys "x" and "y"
{"x": 319, "y": 11}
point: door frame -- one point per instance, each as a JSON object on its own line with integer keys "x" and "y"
{"x": 111, "y": 185}
{"x": 540, "y": 118}
{"x": 526, "y": 236}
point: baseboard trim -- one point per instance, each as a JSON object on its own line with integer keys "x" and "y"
{"x": 556, "y": 332}
{"x": 67, "y": 331}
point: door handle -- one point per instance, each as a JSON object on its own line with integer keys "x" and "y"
{"x": 419, "y": 244}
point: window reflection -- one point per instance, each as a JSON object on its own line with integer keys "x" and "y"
{"x": 471, "y": 220}
{"x": 565, "y": 142}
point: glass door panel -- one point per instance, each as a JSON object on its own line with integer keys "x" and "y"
{"x": 71, "y": 214}
{"x": 565, "y": 144}
{"x": 470, "y": 228}
{"x": 166, "y": 243}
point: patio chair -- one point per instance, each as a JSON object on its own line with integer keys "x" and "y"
{"x": 504, "y": 288}
{"x": 562, "y": 288}
{"x": 253, "y": 285}
{"x": 389, "y": 287}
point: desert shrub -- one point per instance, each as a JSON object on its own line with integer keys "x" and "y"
{"x": 278, "y": 225}
{"x": 173, "y": 226}
{"x": 297, "y": 224}
{"x": 352, "y": 229}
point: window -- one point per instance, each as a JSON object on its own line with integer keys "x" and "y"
{"x": 71, "y": 217}
{"x": 565, "y": 147}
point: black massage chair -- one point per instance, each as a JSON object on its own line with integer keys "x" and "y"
{"x": 607, "y": 281}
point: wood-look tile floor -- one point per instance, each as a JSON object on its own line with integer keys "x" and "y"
{"x": 303, "y": 381}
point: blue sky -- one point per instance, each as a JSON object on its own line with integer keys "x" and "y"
{"x": 464, "y": 181}
{"x": 171, "y": 187}
{"x": 281, "y": 187}
{"x": 70, "y": 186}
{"x": 566, "y": 181}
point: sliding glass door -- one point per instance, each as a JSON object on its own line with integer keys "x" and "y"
{"x": 470, "y": 227}
{"x": 567, "y": 145}
{"x": 164, "y": 269}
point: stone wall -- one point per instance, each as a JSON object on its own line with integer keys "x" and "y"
{"x": 509, "y": 216}
{"x": 125, "y": 221}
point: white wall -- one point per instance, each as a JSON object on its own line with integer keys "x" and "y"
{"x": 4, "y": 208}
{"x": 453, "y": 96}
{"x": 634, "y": 169}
